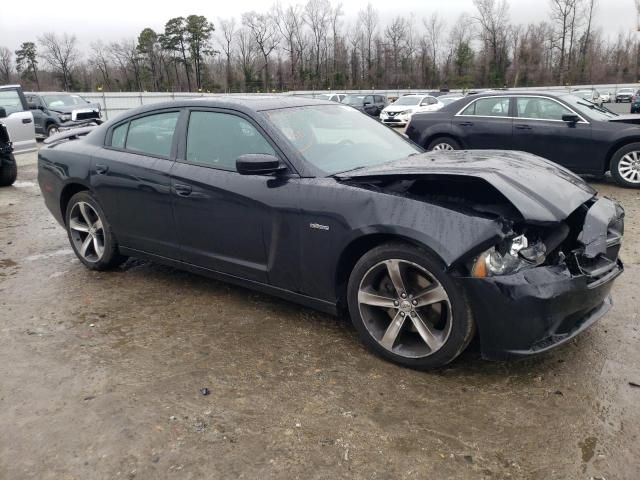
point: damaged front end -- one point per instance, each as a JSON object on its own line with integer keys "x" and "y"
{"x": 544, "y": 285}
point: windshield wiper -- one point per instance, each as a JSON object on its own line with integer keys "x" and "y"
{"x": 593, "y": 106}
{"x": 351, "y": 170}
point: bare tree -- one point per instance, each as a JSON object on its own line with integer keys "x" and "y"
{"x": 493, "y": 18}
{"x": 289, "y": 24}
{"x": 6, "y": 58}
{"x": 434, "y": 27}
{"x": 99, "y": 58}
{"x": 61, "y": 54}
{"x": 563, "y": 17}
{"x": 247, "y": 51}
{"x": 396, "y": 37}
{"x": 228, "y": 30}
{"x": 368, "y": 19}
{"x": 317, "y": 14}
{"x": 264, "y": 32}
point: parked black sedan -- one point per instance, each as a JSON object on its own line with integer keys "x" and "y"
{"x": 566, "y": 129}
{"x": 317, "y": 203}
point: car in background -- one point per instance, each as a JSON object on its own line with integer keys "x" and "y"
{"x": 8, "y": 165}
{"x": 590, "y": 94}
{"x": 606, "y": 97}
{"x": 399, "y": 112}
{"x": 334, "y": 97}
{"x": 371, "y": 104}
{"x": 18, "y": 120}
{"x": 570, "y": 131}
{"x": 624, "y": 95}
{"x": 316, "y": 203}
{"x": 56, "y": 112}
{"x": 450, "y": 98}
{"x": 635, "y": 103}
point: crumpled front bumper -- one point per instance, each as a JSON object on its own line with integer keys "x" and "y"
{"x": 535, "y": 310}
{"x": 72, "y": 124}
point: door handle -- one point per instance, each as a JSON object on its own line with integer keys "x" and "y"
{"x": 466, "y": 124}
{"x": 27, "y": 120}
{"x": 101, "y": 169}
{"x": 182, "y": 190}
{"x": 523, "y": 127}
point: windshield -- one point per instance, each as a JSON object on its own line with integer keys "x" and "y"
{"x": 588, "y": 108}
{"x": 407, "y": 101}
{"x": 338, "y": 138}
{"x": 53, "y": 101}
{"x": 354, "y": 99}
{"x": 625, "y": 90}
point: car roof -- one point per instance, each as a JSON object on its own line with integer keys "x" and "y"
{"x": 246, "y": 103}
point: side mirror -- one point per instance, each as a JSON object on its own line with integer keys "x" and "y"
{"x": 570, "y": 118}
{"x": 258, "y": 164}
{"x": 366, "y": 104}
{"x": 3, "y": 113}
{"x": 32, "y": 106}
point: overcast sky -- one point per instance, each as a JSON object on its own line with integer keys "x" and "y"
{"x": 117, "y": 19}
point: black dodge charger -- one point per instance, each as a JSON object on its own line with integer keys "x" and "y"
{"x": 566, "y": 129}
{"x": 317, "y": 203}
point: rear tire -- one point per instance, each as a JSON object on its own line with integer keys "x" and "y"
{"x": 625, "y": 166}
{"x": 444, "y": 143}
{"x": 407, "y": 309}
{"x": 8, "y": 171}
{"x": 90, "y": 234}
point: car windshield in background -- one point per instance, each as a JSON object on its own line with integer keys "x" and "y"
{"x": 357, "y": 100}
{"x": 53, "y": 101}
{"x": 337, "y": 138}
{"x": 448, "y": 100}
{"x": 589, "y": 108}
{"x": 407, "y": 101}
{"x": 625, "y": 90}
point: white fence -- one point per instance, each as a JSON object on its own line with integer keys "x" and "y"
{"x": 114, "y": 103}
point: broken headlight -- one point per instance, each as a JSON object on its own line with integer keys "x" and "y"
{"x": 510, "y": 257}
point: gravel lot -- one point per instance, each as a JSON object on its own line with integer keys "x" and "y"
{"x": 100, "y": 377}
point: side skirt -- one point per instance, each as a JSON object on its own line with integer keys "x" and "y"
{"x": 315, "y": 303}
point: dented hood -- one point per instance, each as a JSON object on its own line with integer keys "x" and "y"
{"x": 540, "y": 190}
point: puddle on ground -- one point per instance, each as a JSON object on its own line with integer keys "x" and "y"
{"x": 7, "y": 263}
{"x": 588, "y": 447}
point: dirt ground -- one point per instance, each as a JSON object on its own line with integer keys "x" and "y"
{"x": 100, "y": 378}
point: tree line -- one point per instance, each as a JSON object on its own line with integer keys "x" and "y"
{"x": 313, "y": 46}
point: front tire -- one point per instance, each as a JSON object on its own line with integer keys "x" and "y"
{"x": 8, "y": 171}
{"x": 625, "y": 166}
{"x": 444, "y": 143}
{"x": 407, "y": 309}
{"x": 52, "y": 130}
{"x": 90, "y": 234}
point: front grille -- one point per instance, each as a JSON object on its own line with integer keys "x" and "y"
{"x": 87, "y": 115}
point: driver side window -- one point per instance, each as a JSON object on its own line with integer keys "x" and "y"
{"x": 217, "y": 140}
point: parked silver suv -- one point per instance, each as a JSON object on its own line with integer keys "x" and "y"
{"x": 19, "y": 119}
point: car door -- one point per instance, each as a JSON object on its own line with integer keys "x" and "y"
{"x": 538, "y": 128}
{"x": 227, "y": 222}
{"x": 369, "y": 106}
{"x": 37, "y": 110}
{"x": 19, "y": 120}
{"x": 130, "y": 176}
{"x": 485, "y": 123}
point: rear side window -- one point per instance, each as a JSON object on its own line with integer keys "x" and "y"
{"x": 489, "y": 107}
{"x": 218, "y": 139}
{"x": 153, "y": 134}
{"x": 119, "y": 136}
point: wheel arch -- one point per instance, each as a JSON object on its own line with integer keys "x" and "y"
{"x": 617, "y": 146}
{"x": 68, "y": 191}
{"x": 430, "y": 138}
{"x": 360, "y": 246}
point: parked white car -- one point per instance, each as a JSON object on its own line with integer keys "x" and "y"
{"x": 399, "y": 112}
{"x": 606, "y": 97}
{"x": 19, "y": 119}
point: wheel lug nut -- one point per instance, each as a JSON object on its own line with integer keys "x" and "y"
{"x": 402, "y": 314}
{"x": 403, "y": 295}
{"x": 396, "y": 303}
{"x": 413, "y": 314}
{"x": 415, "y": 302}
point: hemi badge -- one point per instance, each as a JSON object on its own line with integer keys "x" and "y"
{"x": 317, "y": 226}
